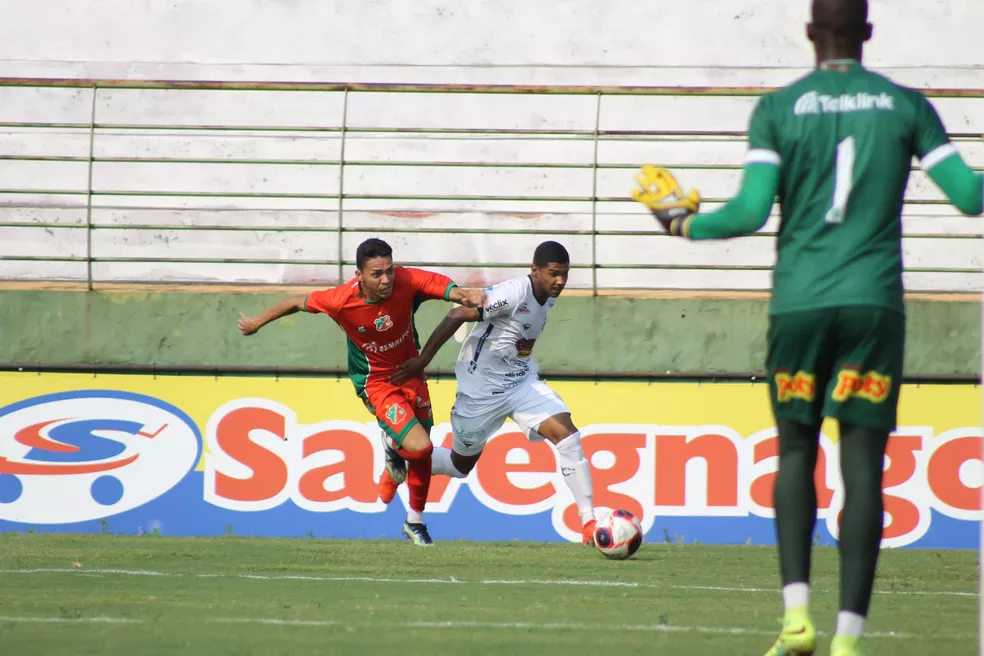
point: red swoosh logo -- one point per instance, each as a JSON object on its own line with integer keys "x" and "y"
{"x": 8, "y": 467}
{"x": 31, "y": 436}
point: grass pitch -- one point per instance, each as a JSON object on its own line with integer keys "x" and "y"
{"x": 106, "y": 594}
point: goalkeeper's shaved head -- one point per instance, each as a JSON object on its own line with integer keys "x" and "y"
{"x": 839, "y": 28}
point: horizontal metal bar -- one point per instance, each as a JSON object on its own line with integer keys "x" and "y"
{"x": 422, "y": 88}
{"x": 22, "y": 124}
{"x": 41, "y": 258}
{"x": 152, "y": 369}
{"x": 379, "y": 163}
{"x": 206, "y": 194}
{"x": 541, "y": 199}
{"x": 432, "y": 265}
{"x": 46, "y": 192}
{"x": 656, "y": 232}
{"x": 217, "y": 127}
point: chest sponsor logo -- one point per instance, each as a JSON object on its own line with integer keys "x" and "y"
{"x": 373, "y": 347}
{"x": 524, "y": 347}
{"x": 492, "y": 307}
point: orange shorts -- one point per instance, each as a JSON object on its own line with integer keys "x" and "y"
{"x": 398, "y": 409}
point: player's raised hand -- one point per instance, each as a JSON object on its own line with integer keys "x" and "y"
{"x": 473, "y": 298}
{"x": 247, "y": 325}
{"x": 409, "y": 369}
{"x": 659, "y": 191}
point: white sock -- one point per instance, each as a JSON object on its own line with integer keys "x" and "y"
{"x": 796, "y": 595}
{"x": 441, "y": 463}
{"x": 850, "y": 623}
{"x": 415, "y": 517}
{"x": 577, "y": 474}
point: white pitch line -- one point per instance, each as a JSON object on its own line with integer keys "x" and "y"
{"x": 558, "y": 626}
{"x": 452, "y": 624}
{"x": 275, "y": 621}
{"x": 375, "y": 579}
{"x": 70, "y": 620}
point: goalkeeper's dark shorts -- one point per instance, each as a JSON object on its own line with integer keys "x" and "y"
{"x": 839, "y": 362}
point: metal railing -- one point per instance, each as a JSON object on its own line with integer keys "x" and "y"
{"x": 594, "y": 141}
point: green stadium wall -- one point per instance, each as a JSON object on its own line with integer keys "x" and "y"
{"x": 585, "y": 335}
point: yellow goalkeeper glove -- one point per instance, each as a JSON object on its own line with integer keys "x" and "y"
{"x": 661, "y": 193}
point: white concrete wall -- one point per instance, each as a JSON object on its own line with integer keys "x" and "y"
{"x": 168, "y": 186}
{"x": 692, "y": 42}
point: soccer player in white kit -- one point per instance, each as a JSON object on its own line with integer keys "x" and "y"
{"x": 497, "y": 377}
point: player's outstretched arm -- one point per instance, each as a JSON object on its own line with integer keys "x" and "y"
{"x": 745, "y": 213}
{"x": 963, "y": 188}
{"x": 678, "y": 213}
{"x": 249, "y": 325}
{"x": 470, "y": 298}
{"x": 442, "y": 333}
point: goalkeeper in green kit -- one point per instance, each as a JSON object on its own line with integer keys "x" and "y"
{"x": 836, "y": 148}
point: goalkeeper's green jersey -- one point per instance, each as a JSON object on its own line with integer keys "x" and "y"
{"x": 844, "y": 139}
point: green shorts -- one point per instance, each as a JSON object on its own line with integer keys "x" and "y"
{"x": 839, "y": 362}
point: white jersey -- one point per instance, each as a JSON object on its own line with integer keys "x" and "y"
{"x": 497, "y": 355}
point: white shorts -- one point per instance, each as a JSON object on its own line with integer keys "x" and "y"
{"x": 474, "y": 421}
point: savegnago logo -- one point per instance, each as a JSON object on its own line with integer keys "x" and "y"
{"x": 83, "y": 455}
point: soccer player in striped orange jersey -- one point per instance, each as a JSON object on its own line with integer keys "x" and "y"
{"x": 375, "y": 309}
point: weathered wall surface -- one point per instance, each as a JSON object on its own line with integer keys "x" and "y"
{"x": 178, "y": 195}
{"x": 701, "y": 42}
{"x": 584, "y": 334}
{"x": 253, "y": 186}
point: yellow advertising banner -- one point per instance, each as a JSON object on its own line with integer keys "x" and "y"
{"x": 691, "y": 457}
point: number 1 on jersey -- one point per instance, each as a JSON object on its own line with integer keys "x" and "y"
{"x": 843, "y": 180}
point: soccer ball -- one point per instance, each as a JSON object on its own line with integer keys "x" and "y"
{"x": 619, "y": 535}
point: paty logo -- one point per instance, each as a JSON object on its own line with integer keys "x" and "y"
{"x": 801, "y": 385}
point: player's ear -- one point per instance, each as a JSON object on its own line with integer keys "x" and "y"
{"x": 868, "y": 31}
{"x": 809, "y": 31}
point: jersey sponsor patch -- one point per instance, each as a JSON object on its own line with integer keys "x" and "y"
{"x": 501, "y": 303}
{"x": 870, "y": 386}
{"x": 524, "y": 347}
{"x": 814, "y": 103}
{"x": 801, "y": 385}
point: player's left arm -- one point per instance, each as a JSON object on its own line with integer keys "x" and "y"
{"x": 438, "y": 287}
{"x": 941, "y": 160}
{"x": 250, "y": 325}
{"x": 747, "y": 212}
{"x": 442, "y": 333}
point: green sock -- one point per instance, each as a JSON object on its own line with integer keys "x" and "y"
{"x": 796, "y": 499}
{"x": 862, "y": 460}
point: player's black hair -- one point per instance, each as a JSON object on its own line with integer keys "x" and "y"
{"x": 550, "y": 251}
{"x": 371, "y": 248}
{"x": 840, "y": 17}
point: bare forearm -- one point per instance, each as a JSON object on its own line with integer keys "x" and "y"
{"x": 442, "y": 333}
{"x": 282, "y": 309}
